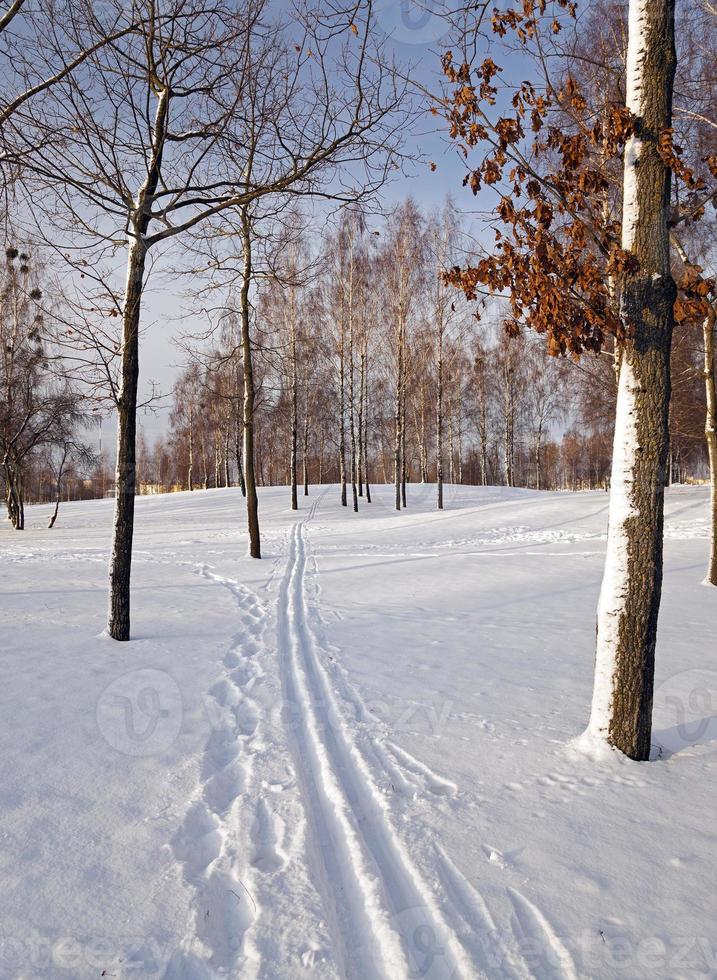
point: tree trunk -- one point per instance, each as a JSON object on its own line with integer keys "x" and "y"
{"x": 305, "y": 445}
{"x": 342, "y": 413}
{"x": 14, "y": 497}
{"x": 439, "y": 420}
{"x": 422, "y": 447}
{"x": 630, "y": 595}
{"x": 118, "y": 625}
{"x": 451, "y": 454}
{"x": 711, "y": 434}
{"x": 359, "y": 475}
{"x": 538, "y": 447}
{"x": 352, "y": 420}
{"x": 483, "y": 426}
{"x": 238, "y": 439}
{"x": 58, "y": 491}
{"x": 398, "y": 442}
{"x": 364, "y": 359}
{"x": 203, "y": 447}
{"x": 294, "y": 415}
{"x": 404, "y": 389}
{"x": 190, "y": 469}
{"x": 227, "y": 473}
{"x": 252, "y": 502}
{"x": 509, "y": 436}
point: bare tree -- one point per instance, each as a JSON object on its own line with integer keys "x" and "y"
{"x": 197, "y": 111}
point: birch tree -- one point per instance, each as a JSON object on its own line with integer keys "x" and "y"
{"x": 558, "y": 261}
{"x": 197, "y": 110}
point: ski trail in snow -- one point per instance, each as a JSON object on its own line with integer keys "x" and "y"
{"x": 435, "y": 783}
{"x": 490, "y": 947}
{"x": 407, "y": 775}
{"x": 210, "y": 843}
{"x": 530, "y": 925}
{"x": 385, "y": 922}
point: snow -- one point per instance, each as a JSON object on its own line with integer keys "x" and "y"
{"x": 355, "y": 758}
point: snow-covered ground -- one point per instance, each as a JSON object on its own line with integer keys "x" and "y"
{"x": 351, "y": 759}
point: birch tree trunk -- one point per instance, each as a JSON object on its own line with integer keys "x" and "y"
{"x": 404, "y": 389}
{"x": 538, "y": 448}
{"x": 125, "y": 472}
{"x": 342, "y": 412}
{"x": 227, "y": 472}
{"x": 352, "y": 420}
{"x": 190, "y": 468}
{"x": 294, "y": 413}
{"x": 509, "y": 435}
{"x": 252, "y": 502}
{"x": 439, "y": 418}
{"x": 483, "y": 429}
{"x": 364, "y": 359}
{"x": 630, "y": 595}
{"x": 397, "y": 416}
{"x": 451, "y": 454}
{"x": 711, "y": 435}
{"x": 239, "y": 437}
{"x": 359, "y": 424}
{"x": 305, "y": 443}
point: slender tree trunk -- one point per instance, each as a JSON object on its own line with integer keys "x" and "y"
{"x": 239, "y": 437}
{"x": 352, "y": 420}
{"x": 404, "y": 463}
{"x": 538, "y": 447}
{"x": 711, "y": 434}
{"x": 483, "y": 432}
{"x": 227, "y": 472}
{"x": 451, "y": 454}
{"x": 460, "y": 439}
{"x": 14, "y": 494}
{"x": 118, "y": 625}
{"x": 58, "y": 491}
{"x": 342, "y": 413}
{"x": 203, "y": 447}
{"x": 439, "y": 419}
{"x": 305, "y": 445}
{"x": 422, "y": 446}
{"x": 630, "y": 596}
{"x": 252, "y": 501}
{"x": 365, "y": 436}
{"x": 190, "y": 469}
{"x": 398, "y": 441}
{"x": 362, "y": 372}
{"x": 509, "y": 435}
{"x": 294, "y": 414}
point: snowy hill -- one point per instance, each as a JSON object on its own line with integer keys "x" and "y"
{"x": 351, "y": 759}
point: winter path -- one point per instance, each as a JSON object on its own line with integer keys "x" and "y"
{"x": 384, "y": 919}
{"x": 353, "y": 758}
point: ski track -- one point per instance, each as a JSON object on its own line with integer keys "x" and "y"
{"x": 493, "y": 952}
{"x": 211, "y": 843}
{"x": 531, "y": 925}
{"x": 384, "y": 920}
